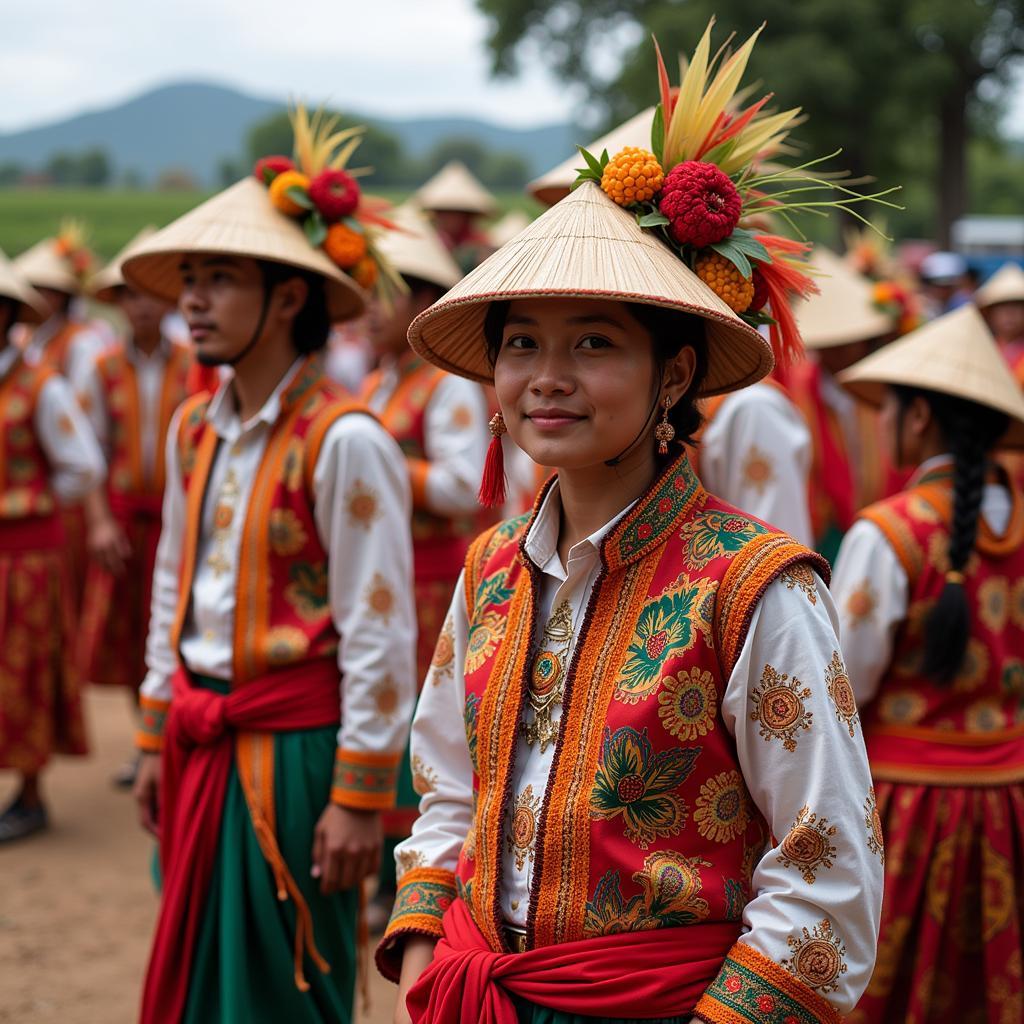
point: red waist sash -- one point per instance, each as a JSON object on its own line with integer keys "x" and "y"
{"x": 199, "y": 742}
{"x": 31, "y": 533}
{"x": 658, "y": 973}
{"x": 136, "y": 506}
{"x": 941, "y": 758}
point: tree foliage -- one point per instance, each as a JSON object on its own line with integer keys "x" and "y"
{"x": 899, "y": 86}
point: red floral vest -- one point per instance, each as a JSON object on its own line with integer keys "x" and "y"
{"x": 972, "y": 731}
{"x": 25, "y": 489}
{"x": 440, "y": 543}
{"x": 648, "y": 822}
{"x": 282, "y": 611}
{"x": 121, "y": 393}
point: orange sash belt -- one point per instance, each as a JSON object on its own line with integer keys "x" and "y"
{"x": 204, "y": 731}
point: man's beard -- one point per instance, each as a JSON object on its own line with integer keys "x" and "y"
{"x": 208, "y": 359}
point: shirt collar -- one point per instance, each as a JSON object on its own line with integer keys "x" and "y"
{"x": 160, "y": 354}
{"x": 223, "y": 414}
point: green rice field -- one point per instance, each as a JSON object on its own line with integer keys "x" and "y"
{"x": 113, "y": 216}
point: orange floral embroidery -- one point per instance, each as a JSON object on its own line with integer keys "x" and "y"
{"x": 818, "y": 958}
{"x": 385, "y": 698}
{"x": 873, "y": 821}
{"x": 722, "y": 808}
{"x": 837, "y": 682}
{"x": 424, "y": 778}
{"x": 861, "y": 604}
{"x": 287, "y": 534}
{"x": 688, "y": 702}
{"x": 462, "y": 417}
{"x": 779, "y": 707}
{"x": 757, "y": 469}
{"x": 808, "y": 845}
{"x": 994, "y": 603}
{"x": 380, "y": 598}
{"x": 363, "y": 505}
{"x": 443, "y": 663}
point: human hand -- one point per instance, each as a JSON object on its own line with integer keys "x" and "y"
{"x": 346, "y": 847}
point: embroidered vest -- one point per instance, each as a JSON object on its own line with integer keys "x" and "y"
{"x": 57, "y": 350}
{"x": 282, "y": 611}
{"x": 25, "y": 489}
{"x": 971, "y": 731}
{"x": 440, "y": 543}
{"x": 647, "y": 821}
{"x": 121, "y": 393}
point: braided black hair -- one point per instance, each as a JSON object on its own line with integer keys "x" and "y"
{"x": 970, "y": 432}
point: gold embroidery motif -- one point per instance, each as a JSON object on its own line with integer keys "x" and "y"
{"x": 873, "y": 822}
{"x": 223, "y": 517}
{"x": 861, "y": 604}
{"x": 837, "y": 682}
{"x": 757, "y": 469}
{"x": 547, "y": 678}
{"x": 462, "y": 417}
{"x": 521, "y": 834}
{"x": 779, "y": 707}
{"x": 409, "y": 859}
{"x": 484, "y": 635}
{"x": 902, "y": 707}
{"x": 363, "y": 506}
{"x": 442, "y": 665}
{"x": 380, "y": 598}
{"x": 801, "y": 575}
{"x": 287, "y": 535}
{"x": 818, "y": 958}
{"x": 808, "y": 845}
{"x": 994, "y": 603}
{"x": 424, "y": 778}
{"x": 985, "y": 716}
{"x": 385, "y": 698}
{"x": 722, "y": 812}
{"x": 975, "y": 667}
{"x": 286, "y": 644}
{"x": 689, "y": 702}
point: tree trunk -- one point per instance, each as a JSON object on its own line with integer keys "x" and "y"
{"x": 952, "y": 170}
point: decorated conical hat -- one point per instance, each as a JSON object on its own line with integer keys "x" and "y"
{"x": 1005, "y": 285}
{"x": 586, "y": 247}
{"x": 110, "y": 278}
{"x": 240, "y": 221}
{"x": 954, "y": 355}
{"x": 455, "y": 188}
{"x": 549, "y": 188}
{"x": 416, "y": 249}
{"x": 507, "y": 228}
{"x": 14, "y": 286}
{"x": 843, "y": 311}
{"x": 44, "y": 267}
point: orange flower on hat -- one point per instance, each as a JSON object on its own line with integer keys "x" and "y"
{"x": 279, "y": 192}
{"x": 722, "y": 277}
{"x": 365, "y": 272}
{"x": 633, "y": 175}
{"x": 344, "y": 246}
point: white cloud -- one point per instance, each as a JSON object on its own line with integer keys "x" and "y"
{"x": 384, "y": 56}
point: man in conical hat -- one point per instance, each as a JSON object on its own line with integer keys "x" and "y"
{"x": 1001, "y": 301}
{"x": 929, "y": 584}
{"x": 47, "y": 455}
{"x": 458, "y": 204}
{"x": 440, "y": 422}
{"x": 755, "y": 450}
{"x": 625, "y": 808}
{"x": 129, "y": 392}
{"x": 281, "y": 641}
{"x": 839, "y": 325}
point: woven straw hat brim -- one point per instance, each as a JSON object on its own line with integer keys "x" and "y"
{"x": 843, "y": 310}
{"x": 954, "y": 355}
{"x": 43, "y": 267}
{"x": 32, "y": 308}
{"x": 1005, "y": 285}
{"x": 455, "y": 188}
{"x": 106, "y": 283}
{"x": 586, "y": 247}
{"x": 239, "y": 221}
{"x": 555, "y": 185}
{"x": 416, "y": 249}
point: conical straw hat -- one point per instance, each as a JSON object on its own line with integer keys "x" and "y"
{"x": 110, "y": 278}
{"x": 13, "y": 285}
{"x": 455, "y": 188}
{"x": 555, "y": 185}
{"x": 44, "y": 267}
{"x": 416, "y": 249}
{"x": 507, "y": 228}
{"x": 240, "y": 221}
{"x": 843, "y": 310}
{"x": 954, "y": 355}
{"x": 1005, "y": 285}
{"x": 586, "y": 247}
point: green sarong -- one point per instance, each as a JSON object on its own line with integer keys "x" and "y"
{"x": 528, "y": 1013}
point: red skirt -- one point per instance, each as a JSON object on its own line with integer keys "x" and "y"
{"x": 40, "y": 702}
{"x": 115, "y": 612}
{"x": 953, "y": 912}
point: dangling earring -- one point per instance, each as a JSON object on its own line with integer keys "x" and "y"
{"x": 664, "y": 432}
{"x": 492, "y": 486}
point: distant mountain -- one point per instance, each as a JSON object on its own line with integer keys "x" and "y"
{"x": 195, "y": 125}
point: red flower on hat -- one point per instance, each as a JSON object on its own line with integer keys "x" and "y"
{"x": 701, "y": 203}
{"x": 335, "y": 194}
{"x": 269, "y": 167}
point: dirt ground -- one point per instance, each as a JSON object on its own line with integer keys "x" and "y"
{"x": 77, "y": 905}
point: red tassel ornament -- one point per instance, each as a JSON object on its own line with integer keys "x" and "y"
{"x": 492, "y": 486}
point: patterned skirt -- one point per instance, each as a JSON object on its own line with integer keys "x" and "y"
{"x": 40, "y": 703}
{"x": 953, "y": 912}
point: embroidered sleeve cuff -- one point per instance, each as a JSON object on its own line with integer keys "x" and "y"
{"x": 424, "y": 894}
{"x": 365, "y": 781}
{"x": 152, "y": 719}
{"x": 419, "y": 470}
{"x": 751, "y": 989}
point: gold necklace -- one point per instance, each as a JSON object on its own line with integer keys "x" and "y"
{"x": 547, "y": 677}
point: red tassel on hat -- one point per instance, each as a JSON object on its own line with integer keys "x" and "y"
{"x": 492, "y": 486}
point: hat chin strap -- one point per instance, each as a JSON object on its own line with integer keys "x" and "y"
{"x": 261, "y": 323}
{"x": 644, "y": 430}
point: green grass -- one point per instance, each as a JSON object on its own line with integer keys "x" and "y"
{"x": 113, "y": 216}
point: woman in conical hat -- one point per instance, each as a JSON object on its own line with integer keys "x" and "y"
{"x": 282, "y": 631}
{"x": 458, "y": 204}
{"x": 621, "y": 749}
{"x": 1001, "y": 301}
{"x": 47, "y": 455}
{"x": 930, "y": 590}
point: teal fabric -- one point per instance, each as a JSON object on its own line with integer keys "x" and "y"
{"x": 529, "y": 1013}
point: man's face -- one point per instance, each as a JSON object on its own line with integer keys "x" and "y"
{"x": 143, "y": 312}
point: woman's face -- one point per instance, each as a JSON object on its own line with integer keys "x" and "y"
{"x": 577, "y": 381}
